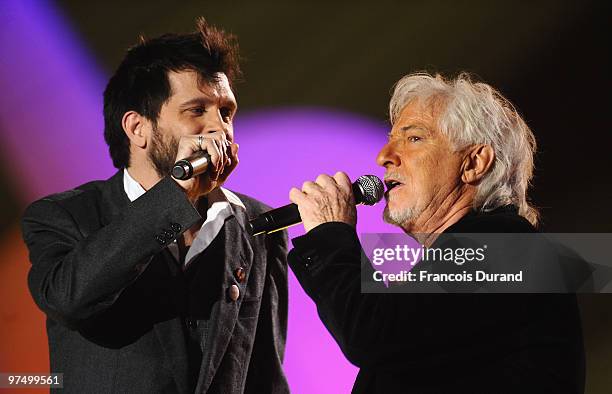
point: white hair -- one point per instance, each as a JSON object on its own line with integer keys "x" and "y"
{"x": 476, "y": 113}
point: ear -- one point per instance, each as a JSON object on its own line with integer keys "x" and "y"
{"x": 477, "y": 163}
{"x": 136, "y": 128}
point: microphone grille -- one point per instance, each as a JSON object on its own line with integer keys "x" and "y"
{"x": 371, "y": 189}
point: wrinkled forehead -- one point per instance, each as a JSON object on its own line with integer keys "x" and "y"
{"x": 420, "y": 112}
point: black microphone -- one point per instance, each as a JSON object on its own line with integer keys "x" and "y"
{"x": 194, "y": 165}
{"x": 368, "y": 190}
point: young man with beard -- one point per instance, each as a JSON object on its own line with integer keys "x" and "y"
{"x": 151, "y": 284}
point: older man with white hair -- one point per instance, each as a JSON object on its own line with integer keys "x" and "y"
{"x": 459, "y": 159}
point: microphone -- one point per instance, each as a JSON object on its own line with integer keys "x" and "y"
{"x": 368, "y": 190}
{"x": 194, "y": 165}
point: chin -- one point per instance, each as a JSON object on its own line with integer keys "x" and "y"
{"x": 399, "y": 216}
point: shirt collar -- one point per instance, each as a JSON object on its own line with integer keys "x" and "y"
{"x": 131, "y": 187}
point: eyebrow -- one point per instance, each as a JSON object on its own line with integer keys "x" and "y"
{"x": 198, "y": 100}
{"x": 414, "y": 126}
{"x": 203, "y": 101}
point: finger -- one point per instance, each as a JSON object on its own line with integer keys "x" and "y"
{"x": 326, "y": 181}
{"x": 224, "y": 145}
{"x": 220, "y": 141}
{"x": 222, "y": 158}
{"x": 233, "y": 162}
{"x": 311, "y": 188}
{"x": 296, "y": 196}
{"x": 215, "y": 156}
{"x": 188, "y": 145}
{"x": 343, "y": 181}
{"x": 228, "y": 154}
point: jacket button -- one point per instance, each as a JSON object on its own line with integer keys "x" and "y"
{"x": 191, "y": 323}
{"x": 160, "y": 240}
{"x": 175, "y": 227}
{"x": 308, "y": 259}
{"x": 234, "y": 292}
{"x": 169, "y": 235}
{"x": 240, "y": 274}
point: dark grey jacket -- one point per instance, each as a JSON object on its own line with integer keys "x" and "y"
{"x": 114, "y": 296}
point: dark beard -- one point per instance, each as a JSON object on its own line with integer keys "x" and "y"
{"x": 162, "y": 154}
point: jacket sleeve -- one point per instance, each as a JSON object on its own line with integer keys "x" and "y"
{"x": 74, "y": 277}
{"x": 327, "y": 263}
{"x": 266, "y": 367}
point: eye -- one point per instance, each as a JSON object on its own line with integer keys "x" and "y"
{"x": 197, "y": 110}
{"x": 226, "y": 114}
{"x": 414, "y": 138}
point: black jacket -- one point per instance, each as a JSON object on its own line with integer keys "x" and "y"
{"x": 116, "y": 300}
{"x": 441, "y": 343}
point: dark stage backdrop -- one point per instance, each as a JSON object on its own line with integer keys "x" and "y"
{"x": 314, "y": 73}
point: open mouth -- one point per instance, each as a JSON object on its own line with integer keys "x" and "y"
{"x": 392, "y": 184}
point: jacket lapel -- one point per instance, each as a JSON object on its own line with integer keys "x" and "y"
{"x": 238, "y": 253}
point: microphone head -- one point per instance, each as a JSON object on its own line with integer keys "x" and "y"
{"x": 368, "y": 189}
{"x": 181, "y": 170}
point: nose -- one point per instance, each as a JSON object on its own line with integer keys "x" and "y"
{"x": 214, "y": 122}
{"x": 388, "y": 156}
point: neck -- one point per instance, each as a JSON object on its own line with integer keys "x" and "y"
{"x": 144, "y": 174}
{"x": 430, "y": 224}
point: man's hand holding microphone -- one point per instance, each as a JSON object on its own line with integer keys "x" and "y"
{"x": 213, "y": 156}
{"x": 327, "y": 199}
